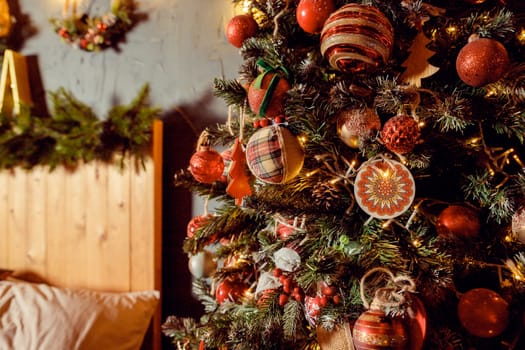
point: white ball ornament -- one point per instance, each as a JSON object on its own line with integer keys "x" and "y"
{"x": 202, "y": 264}
{"x": 518, "y": 225}
{"x": 356, "y": 125}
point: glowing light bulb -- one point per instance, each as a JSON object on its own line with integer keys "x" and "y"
{"x": 521, "y": 36}
{"x": 451, "y": 30}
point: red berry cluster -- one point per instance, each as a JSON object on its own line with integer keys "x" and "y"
{"x": 328, "y": 292}
{"x": 261, "y": 123}
{"x": 290, "y": 287}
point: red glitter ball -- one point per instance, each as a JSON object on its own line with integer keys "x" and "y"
{"x": 400, "y": 134}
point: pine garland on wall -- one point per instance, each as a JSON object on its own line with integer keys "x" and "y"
{"x": 73, "y": 133}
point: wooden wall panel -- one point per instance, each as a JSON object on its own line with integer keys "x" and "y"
{"x": 56, "y": 221}
{"x": 92, "y": 227}
{"x": 36, "y": 243}
{"x": 4, "y": 217}
{"x": 96, "y": 208}
{"x": 17, "y": 220}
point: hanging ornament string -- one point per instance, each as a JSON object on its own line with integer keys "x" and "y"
{"x": 242, "y": 119}
{"x": 277, "y": 17}
{"x": 387, "y": 297}
{"x": 95, "y": 33}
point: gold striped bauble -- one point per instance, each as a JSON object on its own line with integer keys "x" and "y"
{"x": 357, "y": 38}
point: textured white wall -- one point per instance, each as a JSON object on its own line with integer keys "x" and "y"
{"x": 178, "y": 50}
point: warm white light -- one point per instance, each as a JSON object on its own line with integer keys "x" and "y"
{"x": 521, "y": 36}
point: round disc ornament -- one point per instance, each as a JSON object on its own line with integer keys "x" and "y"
{"x": 384, "y": 189}
{"x": 357, "y": 38}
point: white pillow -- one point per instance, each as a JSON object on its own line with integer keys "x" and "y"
{"x": 41, "y": 317}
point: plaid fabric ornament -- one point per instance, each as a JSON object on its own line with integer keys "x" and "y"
{"x": 274, "y": 155}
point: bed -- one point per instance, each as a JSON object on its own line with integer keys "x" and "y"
{"x": 80, "y": 255}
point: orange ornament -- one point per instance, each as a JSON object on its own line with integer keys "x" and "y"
{"x": 239, "y": 185}
{"x": 265, "y": 102}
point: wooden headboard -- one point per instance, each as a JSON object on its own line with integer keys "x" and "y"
{"x": 97, "y": 226}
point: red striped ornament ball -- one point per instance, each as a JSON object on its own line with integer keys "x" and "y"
{"x": 357, "y": 38}
{"x": 374, "y": 330}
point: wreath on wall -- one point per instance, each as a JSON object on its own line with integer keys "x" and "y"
{"x": 95, "y": 33}
{"x": 73, "y": 133}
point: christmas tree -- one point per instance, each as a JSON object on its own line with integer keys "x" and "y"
{"x": 369, "y": 179}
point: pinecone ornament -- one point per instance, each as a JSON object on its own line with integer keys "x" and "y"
{"x": 326, "y": 195}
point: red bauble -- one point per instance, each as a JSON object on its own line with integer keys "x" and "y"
{"x": 195, "y": 223}
{"x": 206, "y": 165}
{"x": 357, "y": 38}
{"x": 483, "y": 313}
{"x": 482, "y": 61}
{"x": 240, "y": 28}
{"x": 458, "y": 221}
{"x": 284, "y": 231}
{"x": 256, "y": 96}
{"x": 311, "y": 14}
{"x": 312, "y": 309}
{"x": 400, "y": 134}
{"x": 416, "y": 322}
{"x": 375, "y": 330}
{"x": 230, "y": 290}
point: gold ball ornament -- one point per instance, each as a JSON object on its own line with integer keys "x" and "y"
{"x": 518, "y": 225}
{"x": 482, "y": 61}
{"x": 356, "y": 125}
{"x": 374, "y": 330}
{"x": 483, "y": 313}
{"x": 357, "y": 38}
